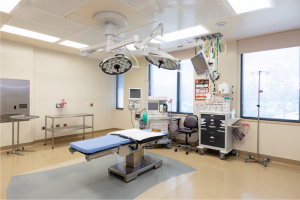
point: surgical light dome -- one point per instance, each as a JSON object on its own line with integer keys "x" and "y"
{"x": 162, "y": 59}
{"x": 115, "y": 65}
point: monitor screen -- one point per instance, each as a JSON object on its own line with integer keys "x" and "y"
{"x": 135, "y": 93}
{"x": 199, "y": 63}
{"x": 152, "y": 106}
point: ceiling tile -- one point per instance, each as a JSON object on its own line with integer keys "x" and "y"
{"x": 141, "y": 32}
{"x": 203, "y": 10}
{"x": 4, "y": 17}
{"x": 96, "y": 34}
{"x": 170, "y": 16}
{"x": 45, "y": 18}
{"x": 28, "y": 25}
{"x": 77, "y": 18}
{"x": 59, "y": 7}
{"x": 85, "y": 40}
{"x": 135, "y": 18}
{"x": 134, "y": 3}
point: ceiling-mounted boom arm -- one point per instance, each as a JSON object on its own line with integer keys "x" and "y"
{"x": 111, "y": 38}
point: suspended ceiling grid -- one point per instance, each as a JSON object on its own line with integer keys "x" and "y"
{"x": 73, "y": 19}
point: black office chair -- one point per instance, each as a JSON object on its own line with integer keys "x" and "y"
{"x": 191, "y": 122}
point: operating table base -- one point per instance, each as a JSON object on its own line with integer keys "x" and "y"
{"x": 131, "y": 173}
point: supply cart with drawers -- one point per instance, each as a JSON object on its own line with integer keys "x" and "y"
{"x": 215, "y": 132}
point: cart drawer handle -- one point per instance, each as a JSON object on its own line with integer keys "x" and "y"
{"x": 211, "y": 141}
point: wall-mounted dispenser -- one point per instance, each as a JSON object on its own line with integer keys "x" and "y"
{"x": 62, "y": 104}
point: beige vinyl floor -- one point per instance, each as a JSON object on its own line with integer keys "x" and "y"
{"x": 231, "y": 178}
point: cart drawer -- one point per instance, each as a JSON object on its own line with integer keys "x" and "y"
{"x": 210, "y": 132}
{"x": 213, "y": 141}
{"x": 206, "y": 116}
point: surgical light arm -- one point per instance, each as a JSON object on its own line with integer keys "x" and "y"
{"x": 110, "y": 45}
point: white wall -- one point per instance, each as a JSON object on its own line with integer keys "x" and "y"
{"x": 55, "y": 76}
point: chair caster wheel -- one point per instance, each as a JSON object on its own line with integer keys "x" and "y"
{"x": 22, "y": 148}
{"x": 52, "y": 147}
{"x": 7, "y": 152}
{"x": 268, "y": 159}
{"x": 265, "y": 164}
{"x": 186, "y": 153}
{"x": 196, "y": 151}
{"x": 44, "y": 143}
{"x": 250, "y": 156}
{"x": 175, "y": 150}
{"x": 246, "y": 159}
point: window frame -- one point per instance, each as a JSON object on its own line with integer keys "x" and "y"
{"x": 178, "y": 89}
{"x": 117, "y": 96}
{"x": 261, "y": 118}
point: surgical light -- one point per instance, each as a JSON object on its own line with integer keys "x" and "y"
{"x": 26, "y": 33}
{"x": 162, "y": 60}
{"x": 115, "y": 65}
{"x": 73, "y": 44}
{"x": 7, "y": 6}
{"x": 197, "y": 30}
{"x": 248, "y": 5}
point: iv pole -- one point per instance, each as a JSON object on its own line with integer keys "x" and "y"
{"x": 252, "y": 159}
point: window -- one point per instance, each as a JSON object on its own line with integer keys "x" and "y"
{"x": 281, "y": 88}
{"x": 120, "y": 91}
{"x": 175, "y": 84}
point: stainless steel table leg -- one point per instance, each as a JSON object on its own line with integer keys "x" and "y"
{"x": 52, "y": 133}
{"x": 83, "y": 126}
{"x": 13, "y": 139}
{"x": 93, "y": 126}
{"x": 45, "y": 130}
{"x": 18, "y": 135}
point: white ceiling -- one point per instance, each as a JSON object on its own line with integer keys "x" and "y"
{"x": 72, "y": 20}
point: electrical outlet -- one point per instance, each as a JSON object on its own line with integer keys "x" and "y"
{"x": 43, "y": 128}
{"x": 57, "y": 125}
{"x": 91, "y": 104}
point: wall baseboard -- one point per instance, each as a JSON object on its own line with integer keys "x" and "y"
{"x": 262, "y": 156}
{"x": 65, "y": 137}
{"x": 272, "y": 158}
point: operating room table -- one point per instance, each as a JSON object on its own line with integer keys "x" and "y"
{"x": 136, "y": 162}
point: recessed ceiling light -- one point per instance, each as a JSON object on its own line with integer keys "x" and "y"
{"x": 131, "y": 47}
{"x": 242, "y": 6}
{"x": 26, "y": 33}
{"x": 155, "y": 41}
{"x": 196, "y": 30}
{"x": 73, "y": 44}
{"x": 8, "y": 5}
{"x": 220, "y": 24}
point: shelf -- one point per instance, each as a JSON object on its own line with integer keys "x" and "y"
{"x": 220, "y": 93}
{"x": 69, "y": 128}
{"x": 69, "y": 115}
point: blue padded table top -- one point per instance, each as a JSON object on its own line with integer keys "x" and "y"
{"x": 102, "y": 143}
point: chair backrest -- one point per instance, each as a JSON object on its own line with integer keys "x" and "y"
{"x": 191, "y": 121}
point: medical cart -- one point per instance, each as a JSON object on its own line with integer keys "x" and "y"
{"x": 215, "y": 132}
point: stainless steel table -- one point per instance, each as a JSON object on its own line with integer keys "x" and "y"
{"x": 67, "y": 128}
{"x": 18, "y": 118}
